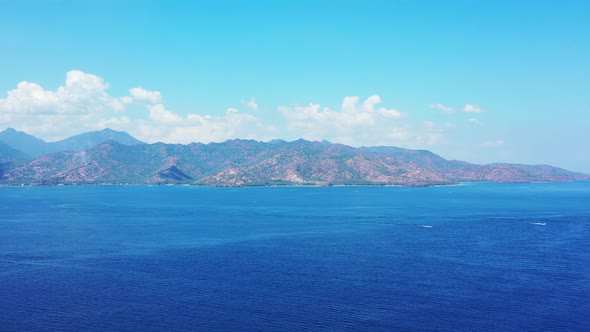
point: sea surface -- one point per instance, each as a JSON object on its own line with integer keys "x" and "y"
{"x": 474, "y": 257}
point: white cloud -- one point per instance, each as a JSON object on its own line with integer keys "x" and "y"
{"x": 143, "y": 95}
{"x": 160, "y": 115}
{"x": 355, "y": 123}
{"x": 474, "y": 121}
{"x": 250, "y": 103}
{"x": 362, "y": 123}
{"x": 83, "y": 104}
{"x": 369, "y": 106}
{"x": 126, "y": 100}
{"x": 80, "y": 104}
{"x": 444, "y": 109}
{"x": 82, "y": 93}
{"x": 470, "y": 108}
{"x": 166, "y": 126}
{"x": 30, "y": 98}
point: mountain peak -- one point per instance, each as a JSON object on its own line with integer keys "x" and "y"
{"x": 12, "y": 131}
{"x": 90, "y": 139}
{"x": 24, "y": 142}
{"x": 109, "y": 130}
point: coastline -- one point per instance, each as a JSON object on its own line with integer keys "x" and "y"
{"x": 290, "y": 185}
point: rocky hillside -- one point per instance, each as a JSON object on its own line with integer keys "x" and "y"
{"x": 10, "y": 158}
{"x": 248, "y": 163}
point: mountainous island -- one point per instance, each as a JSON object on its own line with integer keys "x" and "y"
{"x": 113, "y": 157}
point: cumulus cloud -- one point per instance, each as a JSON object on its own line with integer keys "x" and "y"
{"x": 167, "y": 126}
{"x": 363, "y": 123}
{"x": 83, "y": 103}
{"x": 126, "y": 100}
{"x": 470, "y": 108}
{"x": 444, "y": 109}
{"x": 81, "y": 93}
{"x": 474, "y": 121}
{"x": 160, "y": 115}
{"x": 250, "y": 103}
{"x": 354, "y": 123}
{"x": 142, "y": 95}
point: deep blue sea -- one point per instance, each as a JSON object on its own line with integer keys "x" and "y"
{"x": 475, "y": 257}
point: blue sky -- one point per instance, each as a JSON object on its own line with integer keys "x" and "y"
{"x": 481, "y": 81}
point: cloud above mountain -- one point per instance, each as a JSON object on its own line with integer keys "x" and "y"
{"x": 83, "y": 103}
{"x": 355, "y": 123}
{"x": 81, "y": 93}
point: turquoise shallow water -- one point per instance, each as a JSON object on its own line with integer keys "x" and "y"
{"x": 471, "y": 257}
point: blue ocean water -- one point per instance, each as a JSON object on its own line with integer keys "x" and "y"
{"x": 493, "y": 257}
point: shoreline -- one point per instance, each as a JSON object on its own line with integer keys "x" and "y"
{"x": 278, "y": 185}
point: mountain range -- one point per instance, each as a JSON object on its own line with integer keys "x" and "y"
{"x": 112, "y": 157}
{"x": 35, "y": 147}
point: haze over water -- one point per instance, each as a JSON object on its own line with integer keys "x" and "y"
{"x": 471, "y": 257}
